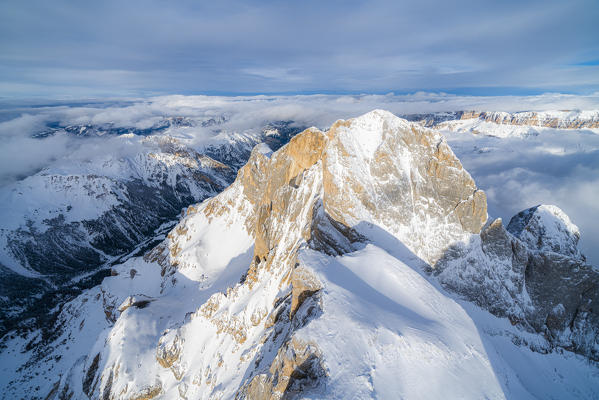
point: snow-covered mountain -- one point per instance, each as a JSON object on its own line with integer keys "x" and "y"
{"x": 548, "y": 119}
{"x": 64, "y": 226}
{"x": 353, "y": 263}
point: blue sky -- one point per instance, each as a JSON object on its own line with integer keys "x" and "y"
{"x": 63, "y": 49}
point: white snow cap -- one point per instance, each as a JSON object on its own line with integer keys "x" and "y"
{"x": 546, "y": 228}
{"x": 371, "y": 126}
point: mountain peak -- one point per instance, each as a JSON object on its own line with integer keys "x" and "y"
{"x": 367, "y": 130}
{"x": 546, "y": 228}
{"x": 380, "y": 169}
{"x": 402, "y": 177}
{"x": 320, "y": 195}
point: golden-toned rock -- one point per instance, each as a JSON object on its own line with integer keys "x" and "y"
{"x": 296, "y": 368}
{"x": 169, "y": 348}
{"x": 402, "y": 177}
{"x": 284, "y": 174}
{"x": 303, "y": 284}
{"x": 148, "y": 393}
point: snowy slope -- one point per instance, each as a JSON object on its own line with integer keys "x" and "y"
{"x": 386, "y": 332}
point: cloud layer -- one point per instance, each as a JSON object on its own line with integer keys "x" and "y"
{"x": 555, "y": 167}
{"x": 111, "y": 48}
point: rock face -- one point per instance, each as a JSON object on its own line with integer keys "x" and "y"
{"x": 296, "y": 369}
{"x": 532, "y": 273}
{"x": 302, "y": 279}
{"x": 403, "y": 178}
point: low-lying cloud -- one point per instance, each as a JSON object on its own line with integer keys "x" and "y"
{"x": 555, "y": 167}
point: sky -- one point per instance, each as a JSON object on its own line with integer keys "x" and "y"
{"x": 64, "y": 49}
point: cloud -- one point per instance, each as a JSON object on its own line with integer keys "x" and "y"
{"x": 21, "y": 155}
{"x": 147, "y": 47}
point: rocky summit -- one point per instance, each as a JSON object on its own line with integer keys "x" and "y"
{"x": 359, "y": 262}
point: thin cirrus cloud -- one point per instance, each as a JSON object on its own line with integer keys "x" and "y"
{"x": 138, "y": 47}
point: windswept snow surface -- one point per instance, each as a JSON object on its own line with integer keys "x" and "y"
{"x": 389, "y": 332}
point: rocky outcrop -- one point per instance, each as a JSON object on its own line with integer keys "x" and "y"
{"x": 303, "y": 285}
{"x": 488, "y": 270}
{"x": 298, "y": 365}
{"x": 168, "y": 352}
{"x": 296, "y": 369}
{"x": 546, "y": 228}
{"x": 148, "y": 393}
{"x": 139, "y": 301}
{"x": 534, "y": 274}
